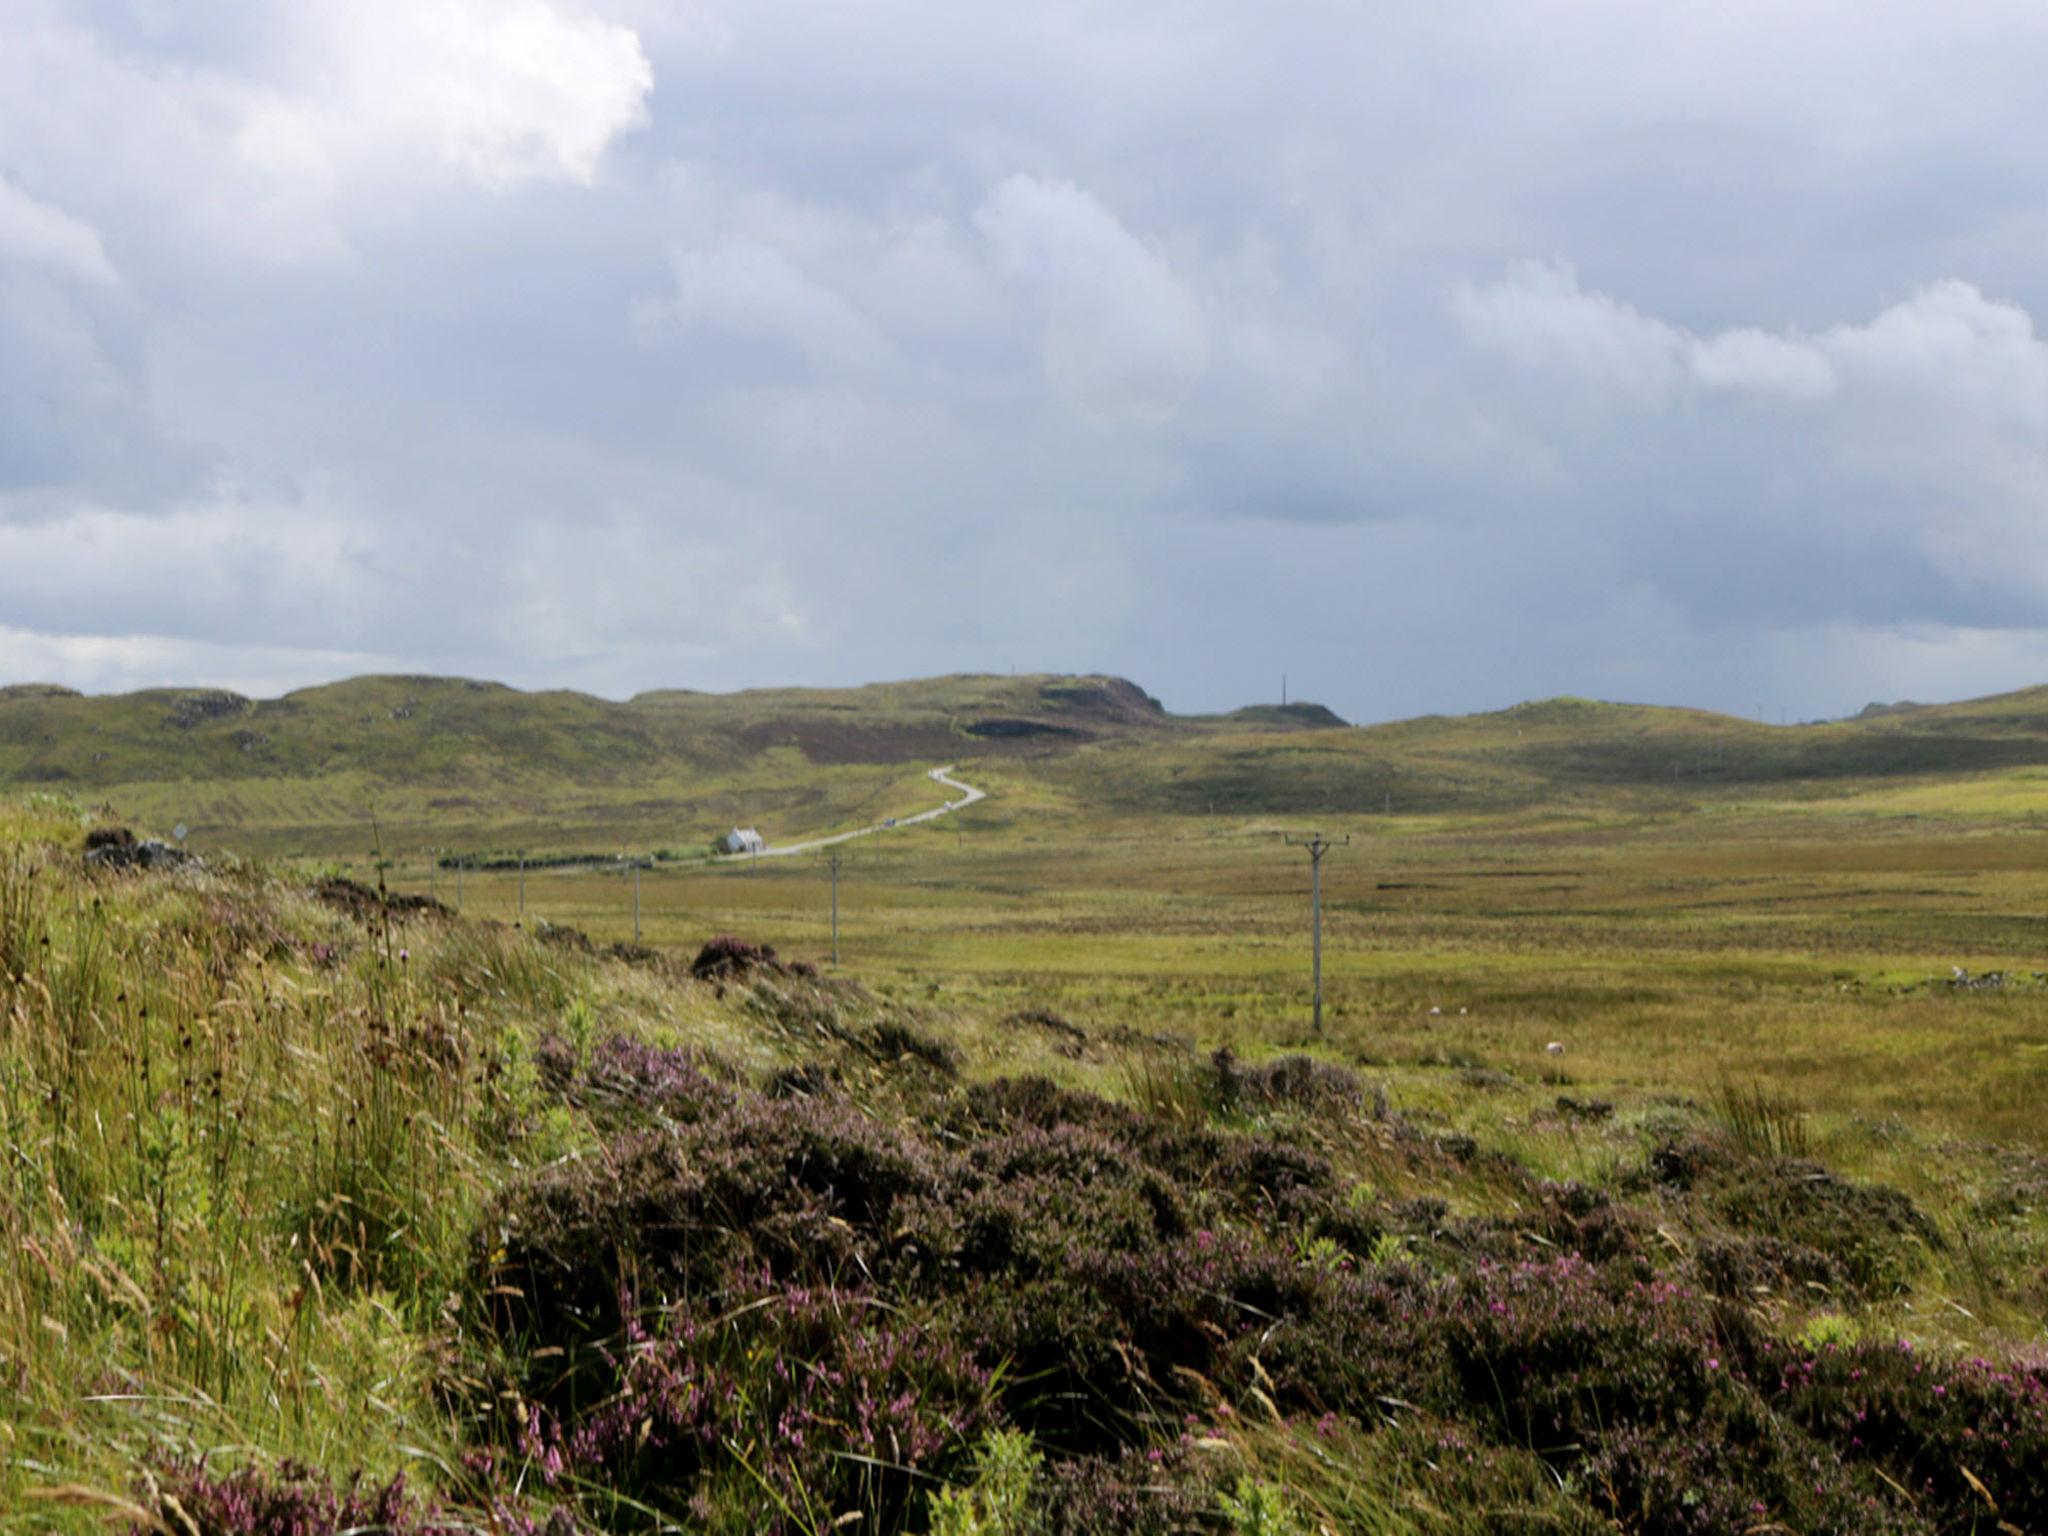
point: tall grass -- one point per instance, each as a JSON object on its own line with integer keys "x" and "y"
{"x": 241, "y": 1150}
{"x": 1762, "y": 1122}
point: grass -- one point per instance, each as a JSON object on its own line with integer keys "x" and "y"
{"x": 456, "y": 765}
{"x": 252, "y": 1144}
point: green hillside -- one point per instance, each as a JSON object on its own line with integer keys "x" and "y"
{"x": 454, "y": 763}
{"x": 1563, "y": 751}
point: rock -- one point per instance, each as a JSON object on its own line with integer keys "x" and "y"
{"x": 148, "y": 854}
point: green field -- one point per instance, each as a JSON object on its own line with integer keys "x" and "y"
{"x": 1770, "y": 943}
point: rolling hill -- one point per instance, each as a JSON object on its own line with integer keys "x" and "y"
{"x": 432, "y": 758}
{"x": 481, "y": 764}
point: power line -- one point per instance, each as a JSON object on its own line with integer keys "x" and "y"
{"x": 1317, "y": 845}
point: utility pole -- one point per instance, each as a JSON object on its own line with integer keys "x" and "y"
{"x": 1283, "y": 690}
{"x": 834, "y": 859}
{"x": 522, "y": 885}
{"x": 636, "y": 901}
{"x": 460, "y": 860}
{"x": 1317, "y": 845}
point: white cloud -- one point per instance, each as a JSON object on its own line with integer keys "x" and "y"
{"x": 227, "y": 565}
{"x": 118, "y": 662}
{"x": 1949, "y": 341}
{"x": 35, "y": 232}
{"x": 748, "y": 287}
{"x": 1540, "y": 316}
{"x": 498, "y": 92}
{"x": 1922, "y": 441}
{"x": 1754, "y": 361}
{"x": 1124, "y": 338}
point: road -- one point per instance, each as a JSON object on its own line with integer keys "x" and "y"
{"x": 968, "y": 795}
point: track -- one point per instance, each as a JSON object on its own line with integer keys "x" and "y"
{"x": 944, "y": 776}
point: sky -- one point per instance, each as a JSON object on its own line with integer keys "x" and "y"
{"x": 1438, "y": 356}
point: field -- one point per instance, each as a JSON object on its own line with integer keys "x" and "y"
{"x": 1813, "y": 947}
{"x": 1675, "y": 1143}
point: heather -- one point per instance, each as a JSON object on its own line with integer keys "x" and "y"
{"x": 1102, "y": 1282}
{"x": 335, "y": 1213}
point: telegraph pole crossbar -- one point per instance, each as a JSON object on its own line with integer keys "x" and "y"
{"x": 1317, "y": 845}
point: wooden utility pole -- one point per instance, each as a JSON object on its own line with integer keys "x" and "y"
{"x": 636, "y": 901}
{"x": 522, "y": 885}
{"x": 834, "y": 859}
{"x": 1317, "y": 845}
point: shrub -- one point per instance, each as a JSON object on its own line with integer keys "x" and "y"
{"x": 998, "y": 1500}
{"x": 1871, "y": 1232}
{"x": 770, "y": 1407}
{"x": 1299, "y": 1082}
{"x": 1085, "y": 1275}
{"x": 1260, "y": 1508}
{"x": 295, "y": 1500}
{"x": 728, "y": 957}
{"x": 1969, "y": 1438}
{"x": 626, "y": 1079}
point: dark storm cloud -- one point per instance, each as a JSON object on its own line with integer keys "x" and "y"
{"x": 1440, "y": 358}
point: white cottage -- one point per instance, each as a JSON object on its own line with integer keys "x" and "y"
{"x": 742, "y": 840}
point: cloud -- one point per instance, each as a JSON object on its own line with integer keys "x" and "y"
{"x": 498, "y": 92}
{"x": 1123, "y": 336}
{"x": 1751, "y": 361}
{"x": 1198, "y": 341}
{"x": 119, "y": 662}
{"x": 34, "y": 232}
{"x": 1541, "y": 317}
{"x": 749, "y": 288}
{"x": 72, "y": 408}
{"x": 245, "y": 134}
{"x": 1915, "y": 482}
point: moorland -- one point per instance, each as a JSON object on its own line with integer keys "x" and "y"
{"x": 1673, "y": 1157}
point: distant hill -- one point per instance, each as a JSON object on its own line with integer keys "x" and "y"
{"x": 440, "y": 728}
{"x": 1284, "y": 717}
{"x": 433, "y": 758}
{"x": 1558, "y": 750}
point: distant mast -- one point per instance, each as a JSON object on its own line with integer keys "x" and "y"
{"x": 1283, "y": 690}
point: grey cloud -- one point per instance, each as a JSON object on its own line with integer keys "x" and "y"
{"x": 35, "y": 233}
{"x": 1124, "y": 339}
{"x": 1912, "y": 480}
{"x": 1483, "y": 349}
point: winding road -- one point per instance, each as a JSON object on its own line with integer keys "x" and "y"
{"x": 968, "y": 795}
